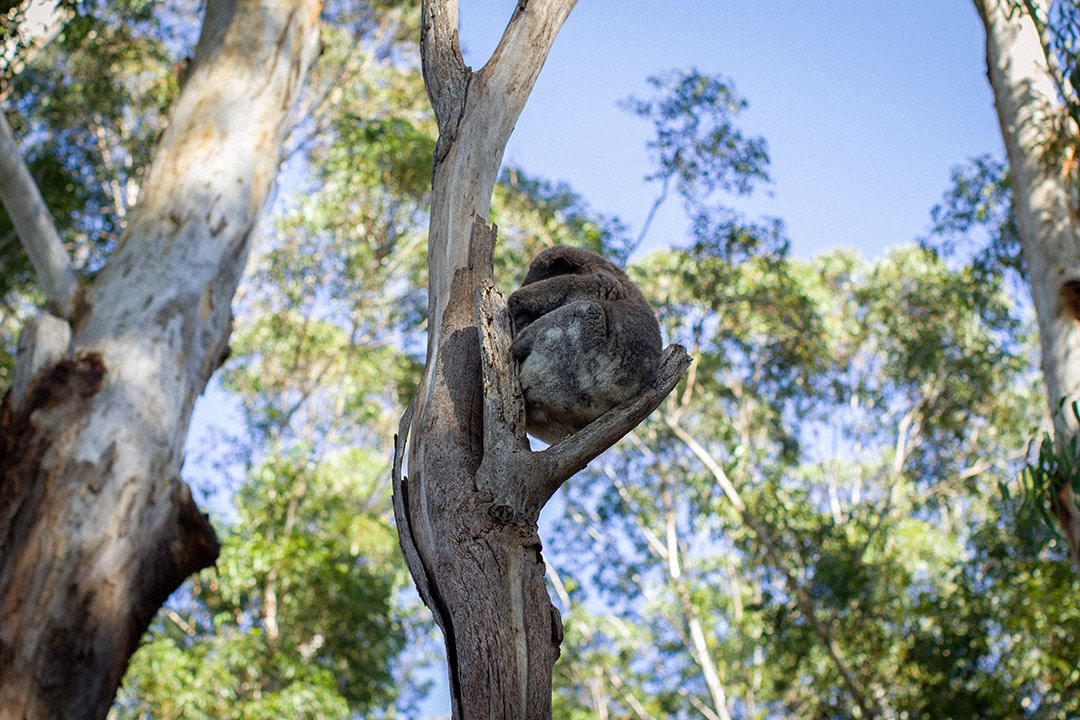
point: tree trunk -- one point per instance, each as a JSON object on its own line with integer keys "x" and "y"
{"x": 1028, "y": 107}
{"x": 467, "y": 514}
{"x": 96, "y": 526}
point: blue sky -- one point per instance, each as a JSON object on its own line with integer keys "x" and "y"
{"x": 866, "y": 106}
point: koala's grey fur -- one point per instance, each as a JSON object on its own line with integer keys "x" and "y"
{"x": 585, "y": 337}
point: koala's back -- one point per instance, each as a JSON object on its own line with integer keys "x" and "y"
{"x": 585, "y": 337}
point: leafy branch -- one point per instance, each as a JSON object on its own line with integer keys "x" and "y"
{"x": 1056, "y": 468}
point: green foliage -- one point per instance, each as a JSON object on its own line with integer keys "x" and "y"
{"x": 871, "y": 460}
{"x": 533, "y": 214}
{"x": 975, "y": 223}
{"x": 697, "y": 143}
{"x": 1056, "y": 466}
{"x": 88, "y": 110}
{"x": 296, "y": 619}
{"x": 865, "y": 413}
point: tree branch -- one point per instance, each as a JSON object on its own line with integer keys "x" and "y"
{"x": 511, "y": 71}
{"x": 562, "y": 460}
{"x": 446, "y": 76}
{"x": 35, "y": 227}
{"x": 540, "y": 24}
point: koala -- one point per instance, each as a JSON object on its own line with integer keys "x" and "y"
{"x": 585, "y": 338}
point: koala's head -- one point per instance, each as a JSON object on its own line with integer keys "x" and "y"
{"x": 564, "y": 260}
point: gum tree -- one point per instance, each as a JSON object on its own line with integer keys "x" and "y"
{"x": 96, "y": 526}
{"x": 1027, "y": 49}
{"x": 467, "y": 512}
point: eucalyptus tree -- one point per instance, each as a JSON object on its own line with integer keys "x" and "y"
{"x": 1031, "y": 56}
{"x": 97, "y": 526}
{"x": 467, "y": 512}
{"x": 305, "y": 613}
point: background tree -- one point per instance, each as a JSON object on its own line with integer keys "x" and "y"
{"x": 305, "y": 612}
{"x": 93, "y": 427}
{"x": 1031, "y": 58}
{"x": 811, "y": 526}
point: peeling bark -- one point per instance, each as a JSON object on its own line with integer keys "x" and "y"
{"x": 1049, "y": 226}
{"x": 96, "y": 526}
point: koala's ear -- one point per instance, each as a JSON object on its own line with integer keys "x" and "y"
{"x": 562, "y": 265}
{"x": 555, "y": 261}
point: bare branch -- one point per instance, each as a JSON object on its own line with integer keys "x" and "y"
{"x": 446, "y": 76}
{"x": 35, "y": 227}
{"x": 560, "y": 461}
{"x": 533, "y": 25}
{"x": 512, "y": 70}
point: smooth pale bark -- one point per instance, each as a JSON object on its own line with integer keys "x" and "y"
{"x": 34, "y": 226}
{"x": 96, "y": 526}
{"x": 1028, "y": 104}
{"x": 467, "y": 512}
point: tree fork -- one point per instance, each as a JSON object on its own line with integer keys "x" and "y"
{"x": 466, "y": 513}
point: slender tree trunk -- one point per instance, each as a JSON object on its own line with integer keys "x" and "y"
{"x": 1028, "y": 107}
{"x": 467, "y": 512}
{"x": 96, "y": 526}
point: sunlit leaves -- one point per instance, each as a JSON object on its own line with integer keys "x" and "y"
{"x": 533, "y": 214}
{"x": 975, "y": 222}
{"x": 697, "y": 143}
{"x": 88, "y": 111}
{"x": 296, "y": 618}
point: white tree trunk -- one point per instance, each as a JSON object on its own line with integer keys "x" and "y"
{"x": 34, "y": 226}
{"x": 96, "y": 526}
{"x": 1028, "y": 105}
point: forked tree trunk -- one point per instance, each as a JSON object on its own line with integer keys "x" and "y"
{"x": 467, "y": 512}
{"x": 1028, "y": 108}
{"x": 96, "y": 526}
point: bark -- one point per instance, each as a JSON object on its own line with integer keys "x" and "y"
{"x": 1028, "y": 107}
{"x": 34, "y": 226}
{"x": 96, "y": 526}
{"x": 482, "y": 580}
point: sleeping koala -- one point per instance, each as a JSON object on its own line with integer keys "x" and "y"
{"x": 585, "y": 337}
